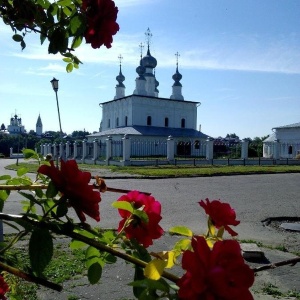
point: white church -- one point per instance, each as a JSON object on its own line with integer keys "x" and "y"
{"x": 144, "y": 115}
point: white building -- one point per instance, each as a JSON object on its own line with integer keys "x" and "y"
{"x": 145, "y": 115}
{"x": 15, "y": 126}
{"x": 283, "y": 143}
{"x": 39, "y": 127}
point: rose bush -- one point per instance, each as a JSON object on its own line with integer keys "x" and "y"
{"x": 215, "y": 268}
{"x": 65, "y": 24}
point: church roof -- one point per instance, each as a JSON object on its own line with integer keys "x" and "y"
{"x": 152, "y": 131}
{"x": 295, "y": 125}
{"x": 152, "y": 97}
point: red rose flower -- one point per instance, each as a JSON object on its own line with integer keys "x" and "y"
{"x": 221, "y": 214}
{"x": 4, "y": 288}
{"x": 74, "y": 185}
{"x": 101, "y": 16}
{"x": 143, "y": 232}
{"x": 217, "y": 274}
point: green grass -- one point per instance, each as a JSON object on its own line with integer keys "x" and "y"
{"x": 177, "y": 171}
{"x": 66, "y": 264}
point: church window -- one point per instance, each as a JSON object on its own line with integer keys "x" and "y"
{"x": 117, "y": 122}
{"x": 290, "y": 149}
{"x": 108, "y": 123}
{"x": 197, "y": 144}
{"x": 182, "y": 123}
{"x": 126, "y": 121}
{"x": 149, "y": 121}
{"x": 166, "y": 122}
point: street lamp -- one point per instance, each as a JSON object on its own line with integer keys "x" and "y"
{"x": 54, "y": 83}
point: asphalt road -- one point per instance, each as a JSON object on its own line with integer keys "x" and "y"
{"x": 254, "y": 197}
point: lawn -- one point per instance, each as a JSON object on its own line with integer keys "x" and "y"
{"x": 176, "y": 171}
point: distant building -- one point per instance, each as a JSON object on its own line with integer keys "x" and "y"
{"x": 15, "y": 126}
{"x": 39, "y": 127}
{"x": 283, "y": 143}
{"x": 145, "y": 115}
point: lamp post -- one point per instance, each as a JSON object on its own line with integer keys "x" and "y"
{"x": 54, "y": 83}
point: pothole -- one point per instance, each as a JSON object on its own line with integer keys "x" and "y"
{"x": 290, "y": 224}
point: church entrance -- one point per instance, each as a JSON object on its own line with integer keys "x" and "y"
{"x": 184, "y": 148}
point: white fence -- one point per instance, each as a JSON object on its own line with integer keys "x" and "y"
{"x": 129, "y": 151}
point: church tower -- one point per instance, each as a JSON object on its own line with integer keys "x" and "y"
{"x": 39, "y": 126}
{"x": 177, "y": 86}
{"x": 120, "y": 87}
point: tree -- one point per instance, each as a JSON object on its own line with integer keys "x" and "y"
{"x": 2, "y": 127}
{"x": 256, "y": 146}
{"x": 63, "y": 23}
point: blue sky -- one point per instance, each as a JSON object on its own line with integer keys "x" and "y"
{"x": 240, "y": 59}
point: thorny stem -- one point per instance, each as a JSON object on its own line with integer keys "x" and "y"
{"x": 291, "y": 262}
{"x": 30, "y": 277}
{"x": 92, "y": 242}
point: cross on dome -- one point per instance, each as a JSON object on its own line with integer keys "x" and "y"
{"x": 148, "y": 35}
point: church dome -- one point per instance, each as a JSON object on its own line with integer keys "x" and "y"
{"x": 149, "y": 61}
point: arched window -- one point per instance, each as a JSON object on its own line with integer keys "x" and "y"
{"x": 182, "y": 123}
{"x": 197, "y": 144}
{"x": 126, "y": 120}
{"x": 290, "y": 150}
{"x": 117, "y": 122}
{"x": 166, "y": 122}
{"x": 149, "y": 121}
{"x": 108, "y": 123}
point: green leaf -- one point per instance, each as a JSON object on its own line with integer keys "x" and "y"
{"x": 138, "y": 276}
{"x": 62, "y": 209}
{"x": 160, "y": 285}
{"x": 92, "y": 252}
{"x": 123, "y": 205}
{"x": 51, "y": 190}
{"x": 17, "y": 38}
{"x": 5, "y": 177}
{"x": 182, "y": 245}
{"x": 39, "y": 193}
{"x": 22, "y": 171}
{"x": 77, "y": 25}
{"x": 77, "y": 244}
{"x": 4, "y": 195}
{"x": 109, "y": 258}
{"x": 142, "y": 215}
{"x": 29, "y": 153}
{"x": 67, "y": 59}
{"x": 40, "y": 250}
{"x": 76, "y": 42}
{"x": 94, "y": 273}
{"x": 182, "y": 230}
{"x": 64, "y": 2}
{"x": 69, "y": 67}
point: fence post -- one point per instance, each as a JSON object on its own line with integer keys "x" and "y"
{"x": 84, "y": 150}
{"x": 54, "y": 150}
{"x": 61, "y": 150}
{"x": 276, "y": 149}
{"x": 49, "y": 150}
{"x": 126, "y": 148}
{"x": 41, "y": 149}
{"x": 75, "y": 150}
{"x": 244, "y": 152}
{"x": 209, "y": 148}
{"x": 95, "y": 149}
{"x": 108, "y": 148}
{"x": 170, "y": 148}
{"x": 44, "y": 150}
{"x": 67, "y": 149}
{"x": 11, "y": 152}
